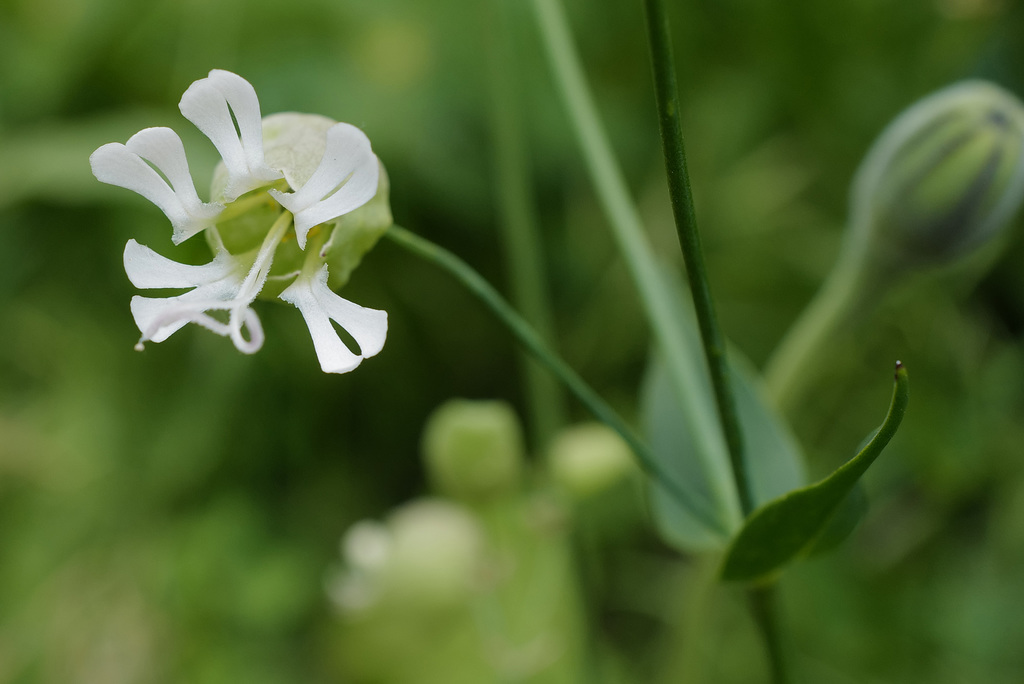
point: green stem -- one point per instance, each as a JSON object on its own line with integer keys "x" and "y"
{"x": 531, "y": 341}
{"x": 667, "y": 96}
{"x": 808, "y": 344}
{"x": 762, "y": 600}
{"x": 763, "y": 608}
{"x": 655, "y": 296}
{"x": 519, "y": 227}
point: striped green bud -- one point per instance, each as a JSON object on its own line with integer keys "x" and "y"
{"x": 942, "y": 179}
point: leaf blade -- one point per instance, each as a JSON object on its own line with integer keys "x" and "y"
{"x": 783, "y": 529}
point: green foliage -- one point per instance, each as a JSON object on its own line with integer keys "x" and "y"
{"x": 772, "y": 454}
{"x": 779, "y": 531}
{"x": 169, "y": 516}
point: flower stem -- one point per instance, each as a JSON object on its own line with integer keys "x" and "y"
{"x": 518, "y": 224}
{"x": 761, "y": 600}
{"x": 667, "y": 96}
{"x": 532, "y": 342}
{"x": 801, "y": 353}
{"x": 762, "y": 607}
{"x": 644, "y": 269}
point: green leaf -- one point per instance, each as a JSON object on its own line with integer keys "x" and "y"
{"x": 782, "y": 530}
{"x": 843, "y": 522}
{"x": 773, "y": 457}
{"x": 774, "y": 461}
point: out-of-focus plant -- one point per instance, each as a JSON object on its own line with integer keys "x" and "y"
{"x": 941, "y": 182}
{"x": 477, "y": 586}
{"x": 477, "y": 582}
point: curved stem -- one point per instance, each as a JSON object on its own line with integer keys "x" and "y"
{"x": 667, "y": 95}
{"x": 531, "y": 341}
{"x": 644, "y": 269}
{"x": 804, "y": 349}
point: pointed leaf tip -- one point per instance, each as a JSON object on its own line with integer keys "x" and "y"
{"x": 786, "y": 528}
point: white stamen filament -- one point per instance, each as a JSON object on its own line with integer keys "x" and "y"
{"x": 252, "y": 285}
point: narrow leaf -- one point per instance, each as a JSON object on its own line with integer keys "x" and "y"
{"x": 782, "y": 530}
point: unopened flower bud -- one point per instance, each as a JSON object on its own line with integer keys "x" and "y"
{"x": 473, "y": 449}
{"x": 586, "y": 459}
{"x": 944, "y": 178}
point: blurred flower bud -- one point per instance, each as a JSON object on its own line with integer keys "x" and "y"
{"x": 942, "y": 179}
{"x": 586, "y": 459}
{"x": 429, "y": 555}
{"x": 437, "y": 555}
{"x": 367, "y": 545}
{"x": 473, "y": 449}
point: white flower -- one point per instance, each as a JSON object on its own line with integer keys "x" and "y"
{"x": 220, "y": 294}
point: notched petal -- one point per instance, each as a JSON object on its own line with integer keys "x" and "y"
{"x": 319, "y": 305}
{"x": 345, "y": 180}
{"x": 174, "y": 193}
{"x": 146, "y": 269}
{"x": 209, "y": 103}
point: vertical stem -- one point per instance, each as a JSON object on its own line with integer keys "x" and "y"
{"x": 523, "y": 251}
{"x": 644, "y": 269}
{"x": 667, "y": 95}
{"x": 762, "y": 600}
{"x": 762, "y": 606}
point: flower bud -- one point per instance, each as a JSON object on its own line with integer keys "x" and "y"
{"x": 473, "y": 449}
{"x": 943, "y": 179}
{"x": 587, "y": 459}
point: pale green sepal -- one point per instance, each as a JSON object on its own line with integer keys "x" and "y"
{"x": 357, "y": 232}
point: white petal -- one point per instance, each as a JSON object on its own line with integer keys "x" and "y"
{"x": 163, "y": 149}
{"x": 125, "y": 166}
{"x": 216, "y": 287}
{"x": 159, "y": 318}
{"x": 147, "y": 269}
{"x": 318, "y": 305}
{"x": 206, "y": 104}
{"x": 348, "y": 161}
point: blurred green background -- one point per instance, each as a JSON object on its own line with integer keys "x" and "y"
{"x": 171, "y": 516}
